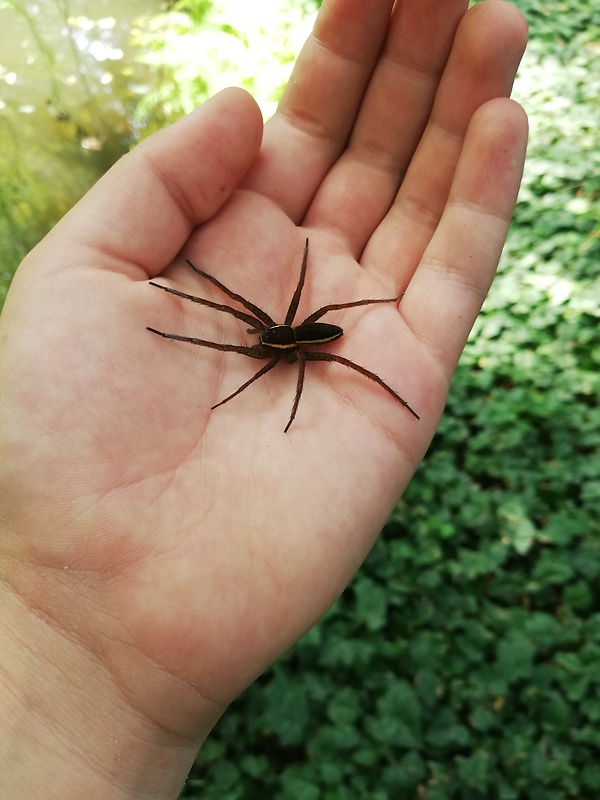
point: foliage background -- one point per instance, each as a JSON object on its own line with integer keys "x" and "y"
{"x": 464, "y": 659}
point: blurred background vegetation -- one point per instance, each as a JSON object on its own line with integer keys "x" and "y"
{"x": 464, "y": 659}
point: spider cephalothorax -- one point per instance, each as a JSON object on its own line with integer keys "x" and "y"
{"x": 281, "y": 341}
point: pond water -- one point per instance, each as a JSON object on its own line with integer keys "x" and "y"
{"x": 70, "y": 75}
{"x": 82, "y": 81}
{"x": 70, "y": 61}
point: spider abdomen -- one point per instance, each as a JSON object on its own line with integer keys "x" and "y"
{"x": 317, "y": 333}
{"x": 286, "y": 337}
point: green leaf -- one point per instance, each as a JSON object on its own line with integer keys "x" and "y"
{"x": 256, "y": 766}
{"x": 551, "y": 569}
{"x": 371, "y": 603}
{"x": 344, "y": 707}
{"x": 515, "y": 526}
{"x": 287, "y": 709}
{"x": 514, "y": 657}
{"x": 475, "y": 770}
{"x": 405, "y": 774}
{"x": 446, "y": 732}
{"x": 294, "y": 787}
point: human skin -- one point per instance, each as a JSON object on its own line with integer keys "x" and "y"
{"x": 156, "y": 557}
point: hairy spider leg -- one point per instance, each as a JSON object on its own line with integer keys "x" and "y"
{"x": 301, "y": 358}
{"x": 291, "y": 312}
{"x": 258, "y": 312}
{"x": 257, "y": 325}
{"x": 336, "y": 306}
{"x": 262, "y": 371}
{"x": 256, "y": 351}
{"x": 320, "y": 356}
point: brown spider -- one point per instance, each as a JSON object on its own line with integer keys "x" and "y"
{"x": 277, "y": 341}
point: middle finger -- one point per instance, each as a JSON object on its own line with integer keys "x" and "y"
{"x": 362, "y": 184}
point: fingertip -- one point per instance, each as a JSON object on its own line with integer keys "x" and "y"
{"x": 233, "y": 112}
{"x": 501, "y": 14}
{"x": 203, "y": 156}
{"x": 498, "y": 131}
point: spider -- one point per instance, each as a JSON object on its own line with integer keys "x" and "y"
{"x": 280, "y": 341}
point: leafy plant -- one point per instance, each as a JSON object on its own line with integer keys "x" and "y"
{"x": 202, "y": 46}
{"x": 463, "y": 662}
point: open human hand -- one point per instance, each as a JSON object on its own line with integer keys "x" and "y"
{"x": 173, "y": 552}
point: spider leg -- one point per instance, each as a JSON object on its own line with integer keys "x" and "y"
{"x": 258, "y": 312}
{"x": 301, "y": 358}
{"x": 257, "y": 325}
{"x": 320, "y": 356}
{"x": 262, "y": 371}
{"x": 291, "y": 312}
{"x": 335, "y": 306}
{"x": 256, "y": 351}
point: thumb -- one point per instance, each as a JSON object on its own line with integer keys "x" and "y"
{"x": 144, "y": 208}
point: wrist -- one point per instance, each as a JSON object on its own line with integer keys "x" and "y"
{"x": 68, "y": 727}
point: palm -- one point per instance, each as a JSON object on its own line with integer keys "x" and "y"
{"x": 216, "y": 534}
